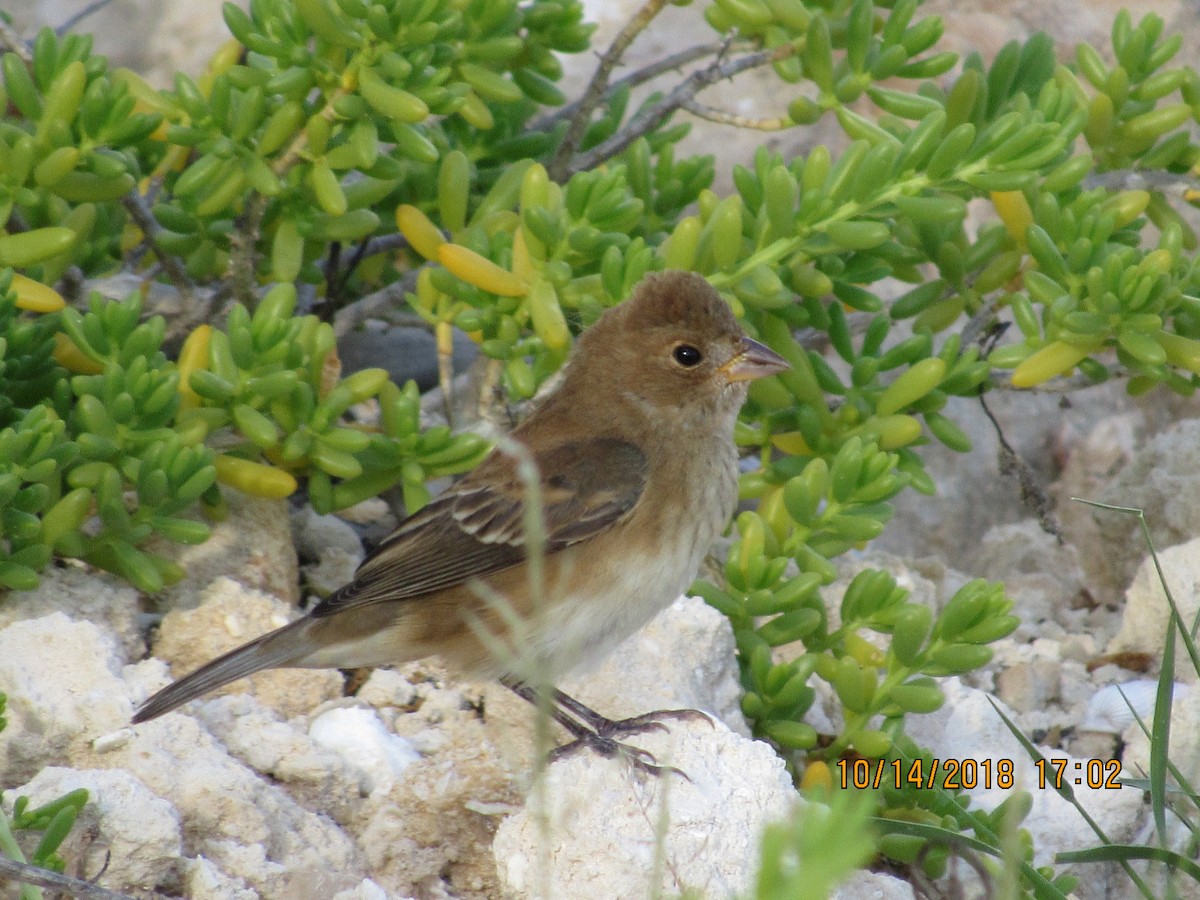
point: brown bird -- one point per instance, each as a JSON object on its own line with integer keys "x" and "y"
{"x": 637, "y": 475}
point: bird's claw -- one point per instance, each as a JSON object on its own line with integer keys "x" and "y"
{"x": 595, "y": 732}
{"x": 604, "y": 745}
{"x": 603, "y": 739}
{"x": 651, "y": 721}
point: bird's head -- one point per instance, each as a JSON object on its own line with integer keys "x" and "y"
{"x": 674, "y": 345}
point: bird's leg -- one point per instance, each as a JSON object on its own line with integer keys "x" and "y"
{"x": 561, "y": 715}
{"x": 593, "y": 731}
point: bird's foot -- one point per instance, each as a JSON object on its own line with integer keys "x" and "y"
{"x": 638, "y": 759}
{"x": 651, "y": 721}
{"x": 602, "y": 739}
{"x": 592, "y": 731}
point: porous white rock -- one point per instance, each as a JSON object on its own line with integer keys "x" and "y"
{"x": 1116, "y": 707}
{"x": 334, "y": 569}
{"x": 251, "y": 544}
{"x": 205, "y": 881}
{"x": 1146, "y": 613}
{"x": 124, "y": 830}
{"x": 1161, "y": 479}
{"x": 387, "y": 688}
{"x": 1047, "y": 681}
{"x": 1119, "y": 459}
{"x": 1043, "y": 577}
{"x": 331, "y": 546}
{"x": 315, "y": 776}
{"x": 89, "y": 595}
{"x": 374, "y": 511}
{"x": 315, "y": 533}
{"x": 431, "y": 834}
{"x": 249, "y": 828}
{"x": 864, "y": 885}
{"x": 366, "y": 890}
{"x": 684, "y": 658}
{"x": 359, "y": 737}
{"x": 595, "y": 827}
{"x": 1030, "y": 686}
{"x": 63, "y": 690}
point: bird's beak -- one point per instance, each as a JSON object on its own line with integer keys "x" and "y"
{"x": 753, "y": 361}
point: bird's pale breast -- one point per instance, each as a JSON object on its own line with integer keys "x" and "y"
{"x": 597, "y": 605}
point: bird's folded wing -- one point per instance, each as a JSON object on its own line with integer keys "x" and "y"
{"x": 477, "y": 527}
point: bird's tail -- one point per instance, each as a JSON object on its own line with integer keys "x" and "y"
{"x": 283, "y": 647}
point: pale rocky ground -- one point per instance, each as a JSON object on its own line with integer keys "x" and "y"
{"x": 420, "y": 786}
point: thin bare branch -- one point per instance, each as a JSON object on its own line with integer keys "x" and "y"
{"x": 375, "y": 304}
{"x": 1033, "y": 493}
{"x": 547, "y": 121}
{"x": 24, "y": 873}
{"x": 385, "y": 243}
{"x": 10, "y": 40}
{"x": 1142, "y": 180}
{"x": 243, "y": 251}
{"x": 673, "y": 62}
{"x": 333, "y": 260}
{"x": 69, "y": 24}
{"x": 594, "y": 92}
{"x": 721, "y": 117}
{"x": 144, "y": 219}
{"x": 650, "y": 118}
{"x": 980, "y": 322}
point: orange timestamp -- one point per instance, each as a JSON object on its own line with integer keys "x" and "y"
{"x": 968, "y": 774}
{"x": 1097, "y": 774}
{"x": 952, "y": 774}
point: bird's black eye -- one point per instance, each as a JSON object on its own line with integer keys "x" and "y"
{"x": 687, "y": 355}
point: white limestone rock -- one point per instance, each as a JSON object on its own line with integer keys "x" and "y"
{"x": 1146, "y": 613}
{"x": 1162, "y": 480}
{"x": 864, "y": 885}
{"x": 684, "y": 658}
{"x": 1043, "y": 577}
{"x": 597, "y": 828}
{"x": 90, "y": 595}
{"x": 316, "y": 777}
{"x": 205, "y": 881}
{"x": 386, "y": 688}
{"x": 252, "y": 545}
{"x": 431, "y": 834}
{"x": 367, "y": 890}
{"x": 358, "y": 737}
{"x": 249, "y": 828}
{"x": 331, "y": 546}
{"x": 63, "y": 690}
{"x": 315, "y": 533}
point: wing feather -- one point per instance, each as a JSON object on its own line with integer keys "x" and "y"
{"x": 476, "y": 528}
